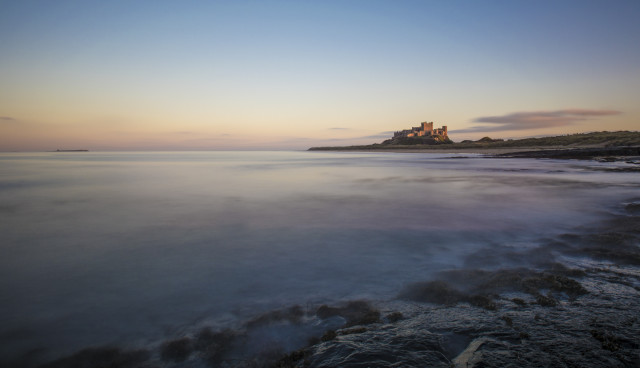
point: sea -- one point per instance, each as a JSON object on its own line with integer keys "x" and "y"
{"x": 131, "y": 249}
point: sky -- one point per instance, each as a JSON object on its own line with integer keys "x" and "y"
{"x": 217, "y": 75}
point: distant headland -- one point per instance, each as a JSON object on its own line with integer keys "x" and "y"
{"x": 581, "y": 145}
{"x": 71, "y": 150}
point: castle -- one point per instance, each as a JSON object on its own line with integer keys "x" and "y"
{"x": 424, "y": 130}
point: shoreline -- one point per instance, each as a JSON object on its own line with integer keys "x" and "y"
{"x": 537, "y": 312}
{"x": 558, "y": 152}
{"x": 581, "y": 145}
{"x": 486, "y": 151}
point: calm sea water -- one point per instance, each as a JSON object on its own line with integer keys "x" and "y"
{"x": 101, "y": 248}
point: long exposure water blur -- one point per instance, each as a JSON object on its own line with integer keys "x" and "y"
{"x": 130, "y": 248}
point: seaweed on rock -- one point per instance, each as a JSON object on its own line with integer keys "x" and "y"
{"x": 480, "y": 288}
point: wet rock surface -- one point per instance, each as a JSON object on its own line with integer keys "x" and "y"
{"x": 483, "y": 288}
{"x": 573, "y": 301}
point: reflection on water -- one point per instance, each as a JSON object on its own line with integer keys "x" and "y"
{"x": 110, "y": 247}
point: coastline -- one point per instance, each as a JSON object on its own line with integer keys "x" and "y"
{"x": 549, "y": 310}
{"x": 557, "y": 152}
{"x": 581, "y": 146}
{"x": 479, "y": 150}
{"x": 459, "y": 259}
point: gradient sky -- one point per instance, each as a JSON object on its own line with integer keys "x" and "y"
{"x": 165, "y": 75}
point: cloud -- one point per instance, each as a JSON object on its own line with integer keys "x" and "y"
{"x": 338, "y": 128}
{"x": 7, "y": 118}
{"x": 535, "y": 120}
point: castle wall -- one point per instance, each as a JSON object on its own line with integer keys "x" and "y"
{"x": 425, "y": 129}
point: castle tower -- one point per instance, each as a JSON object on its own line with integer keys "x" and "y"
{"x": 427, "y": 128}
{"x": 444, "y": 129}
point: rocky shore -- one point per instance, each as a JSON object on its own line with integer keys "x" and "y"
{"x": 571, "y": 301}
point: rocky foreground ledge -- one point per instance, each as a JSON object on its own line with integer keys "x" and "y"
{"x": 570, "y": 301}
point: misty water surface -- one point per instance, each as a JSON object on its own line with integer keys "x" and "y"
{"x": 102, "y": 248}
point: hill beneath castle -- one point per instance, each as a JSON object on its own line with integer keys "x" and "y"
{"x": 583, "y": 145}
